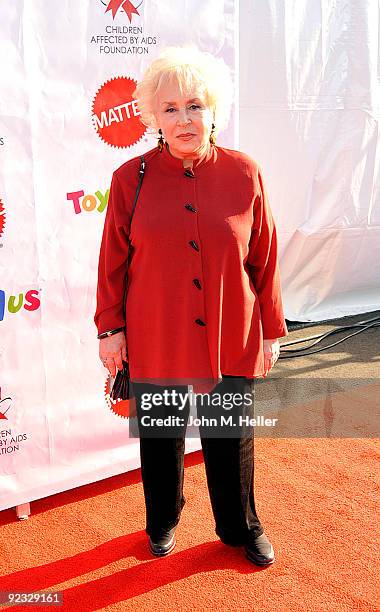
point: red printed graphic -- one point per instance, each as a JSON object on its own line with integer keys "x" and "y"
{"x": 125, "y": 5}
{"x": 4, "y": 406}
{"x": 116, "y": 116}
{"x": 122, "y": 408}
{"x": 2, "y": 217}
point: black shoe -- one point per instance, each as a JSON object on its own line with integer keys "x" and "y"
{"x": 259, "y": 550}
{"x": 163, "y": 544}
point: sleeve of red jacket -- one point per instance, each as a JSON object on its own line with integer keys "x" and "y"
{"x": 112, "y": 266}
{"x": 263, "y": 263}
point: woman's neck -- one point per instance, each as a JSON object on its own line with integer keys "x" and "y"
{"x": 187, "y": 163}
{"x": 194, "y": 160}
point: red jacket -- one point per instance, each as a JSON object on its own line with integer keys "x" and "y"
{"x": 203, "y": 284}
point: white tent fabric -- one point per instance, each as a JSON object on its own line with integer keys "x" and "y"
{"x": 309, "y": 114}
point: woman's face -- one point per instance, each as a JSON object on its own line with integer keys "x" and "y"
{"x": 184, "y": 119}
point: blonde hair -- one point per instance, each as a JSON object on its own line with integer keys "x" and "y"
{"x": 191, "y": 69}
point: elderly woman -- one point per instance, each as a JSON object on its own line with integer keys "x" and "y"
{"x": 203, "y": 298}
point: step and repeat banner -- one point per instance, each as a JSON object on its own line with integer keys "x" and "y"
{"x": 67, "y": 120}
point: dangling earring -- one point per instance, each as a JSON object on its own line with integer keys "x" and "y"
{"x": 161, "y": 141}
{"x": 212, "y": 136}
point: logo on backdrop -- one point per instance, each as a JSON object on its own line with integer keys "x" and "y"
{"x": 89, "y": 201}
{"x": 122, "y": 408}
{"x": 125, "y": 39}
{"x": 115, "y": 114}
{"x": 2, "y": 218}
{"x": 126, "y": 6}
{"x": 14, "y": 303}
{"x": 9, "y": 440}
{"x": 5, "y": 404}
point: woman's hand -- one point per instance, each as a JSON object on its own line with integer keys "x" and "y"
{"x": 271, "y": 354}
{"x": 113, "y": 351}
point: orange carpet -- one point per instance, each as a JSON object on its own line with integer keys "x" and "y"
{"x": 316, "y": 499}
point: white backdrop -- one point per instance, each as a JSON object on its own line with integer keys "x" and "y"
{"x": 309, "y": 114}
{"x": 56, "y": 428}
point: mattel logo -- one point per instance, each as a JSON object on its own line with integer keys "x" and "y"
{"x": 122, "y": 408}
{"x": 115, "y": 114}
{"x": 2, "y": 218}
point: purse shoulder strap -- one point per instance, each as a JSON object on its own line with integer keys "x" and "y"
{"x": 141, "y": 178}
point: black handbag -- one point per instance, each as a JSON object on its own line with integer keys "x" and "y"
{"x": 122, "y": 388}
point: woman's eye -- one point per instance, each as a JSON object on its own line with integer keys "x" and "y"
{"x": 192, "y": 107}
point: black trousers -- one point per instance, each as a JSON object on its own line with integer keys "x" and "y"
{"x": 229, "y": 465}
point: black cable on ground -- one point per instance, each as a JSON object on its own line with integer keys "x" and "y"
{"x": 288, "y": 353}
